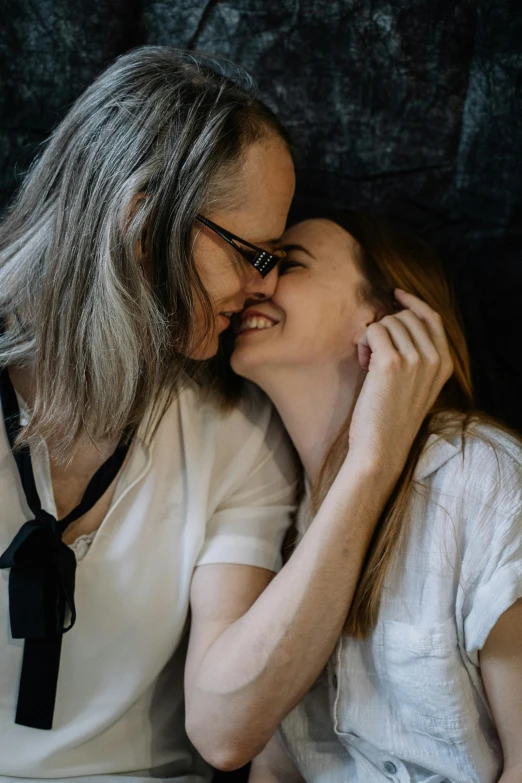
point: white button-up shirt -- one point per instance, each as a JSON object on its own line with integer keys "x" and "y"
{"x": 408, "y": 704}
{"x": 211, "y": 487}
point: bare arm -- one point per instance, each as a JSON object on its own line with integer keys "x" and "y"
{"x": 501, "y": 667}
{"x": 273, "y": 765}
{"x": 254, "y": 652}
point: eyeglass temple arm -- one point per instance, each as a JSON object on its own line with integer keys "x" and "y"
{"x": 228, "y": 236}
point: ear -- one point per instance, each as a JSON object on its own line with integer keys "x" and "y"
{"x": 141, "y": 246}
{"x": 370, "y": 312}
{"x": 132, "y": 207}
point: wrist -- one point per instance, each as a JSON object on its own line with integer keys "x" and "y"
{"x": 363, "y": 486}
{"x": 378, "y": 469}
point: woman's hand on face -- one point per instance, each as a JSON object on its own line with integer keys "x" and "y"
{"x": 408, "y": 362}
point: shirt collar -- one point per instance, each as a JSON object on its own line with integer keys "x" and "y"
{"x": 140, "y": 458}
{"x": 437, "y": 452}
{"x": 24, "y": 410}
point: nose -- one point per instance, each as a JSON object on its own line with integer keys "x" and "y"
{"x": 259, "y": 287}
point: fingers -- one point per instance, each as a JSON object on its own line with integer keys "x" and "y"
{"x": 375, "y": 339}
{"x": 426, "y": 314}
{"x": 422, "y": 310}
{"x": 405, "y": 334}
{"x": 416, "y": 334}
{"x": 402, "y": 334}
{"x": 419, "y": 335}
{"x": 402, "y": 342}
{"x": 434, "y": 326}
{"x": 409, "y": 365}
{"x": 364, "y": 352}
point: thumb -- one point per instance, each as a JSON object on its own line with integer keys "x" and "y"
{"x": 364, "y": 352}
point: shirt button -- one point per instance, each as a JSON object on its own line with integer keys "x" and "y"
{"x": 390, "y": 767}
{"x": 334, "y": 681}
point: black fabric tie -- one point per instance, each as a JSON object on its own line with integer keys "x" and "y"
{"x": 42, "y": 576}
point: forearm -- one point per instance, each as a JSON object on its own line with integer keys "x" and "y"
{"x": 261, "y": 665}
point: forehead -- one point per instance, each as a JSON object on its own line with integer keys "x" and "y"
{"x": 321, "y": 236}
{"x": 267, "y": 178}
{"x": 263, "y": 189}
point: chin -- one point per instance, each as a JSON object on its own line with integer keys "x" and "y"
{"x": 239, "y": 365}
{"x": 204, "y": 351}
{"x": 247, "y": 364}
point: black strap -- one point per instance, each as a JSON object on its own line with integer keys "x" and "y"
{"x": 42, "y": 576}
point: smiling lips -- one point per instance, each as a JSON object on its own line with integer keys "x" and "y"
{"x": 250, "y": 320}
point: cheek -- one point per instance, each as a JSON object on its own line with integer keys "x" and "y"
{"x": 205, "y": 350}
{"x": 324, "y": 329}
{"x": 220, "y": 283}
{"x": 203, "y": 342}
{"x": 217, "y": 273}
{"x": 312, "y": 320}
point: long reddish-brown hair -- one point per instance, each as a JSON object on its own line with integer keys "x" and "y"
{"x": 389, "y": 258}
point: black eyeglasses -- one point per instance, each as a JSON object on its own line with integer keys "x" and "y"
{"x": 260, "y": 259}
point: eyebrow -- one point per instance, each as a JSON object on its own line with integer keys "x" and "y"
{"x": 288, "y": 248}
{"x": 260, "y": 242}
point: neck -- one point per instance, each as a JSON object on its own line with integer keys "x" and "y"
{"x": 90, "y": 453}
{"x": 22, "y": 380}
{"x": 314, "y": 403}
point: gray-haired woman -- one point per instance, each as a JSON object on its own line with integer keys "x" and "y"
{"x": 120, "y": 265}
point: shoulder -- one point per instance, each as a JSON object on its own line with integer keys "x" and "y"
{"x": 484, "y": 463}
{"x": 246, "y": 431}
{"x": 253, "y": 412}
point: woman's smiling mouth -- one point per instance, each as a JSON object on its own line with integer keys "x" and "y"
{"x": 252, "y": 320}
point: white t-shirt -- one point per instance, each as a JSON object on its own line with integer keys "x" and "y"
{"x": 212, "y": 487}
{"x": 407, "y": 704}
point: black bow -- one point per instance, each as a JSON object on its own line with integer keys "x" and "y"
{"x": 41, "y": 582}
{"x": 42, "y": 576}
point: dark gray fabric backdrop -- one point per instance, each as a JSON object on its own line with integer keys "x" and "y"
{"x": 412, "y": 107}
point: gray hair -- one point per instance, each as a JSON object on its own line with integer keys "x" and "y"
{"x": 104, "y": 345}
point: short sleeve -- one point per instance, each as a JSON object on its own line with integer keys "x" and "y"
{"x": 253, "y": 490}
{"x": 491, "y": 576}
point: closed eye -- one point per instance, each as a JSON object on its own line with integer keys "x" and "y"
{"x": 286, "y": 264}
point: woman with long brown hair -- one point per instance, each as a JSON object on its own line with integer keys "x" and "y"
{"x": 425, "y": 683}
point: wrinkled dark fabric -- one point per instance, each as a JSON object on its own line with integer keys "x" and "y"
{"x": 411, "y": 107}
